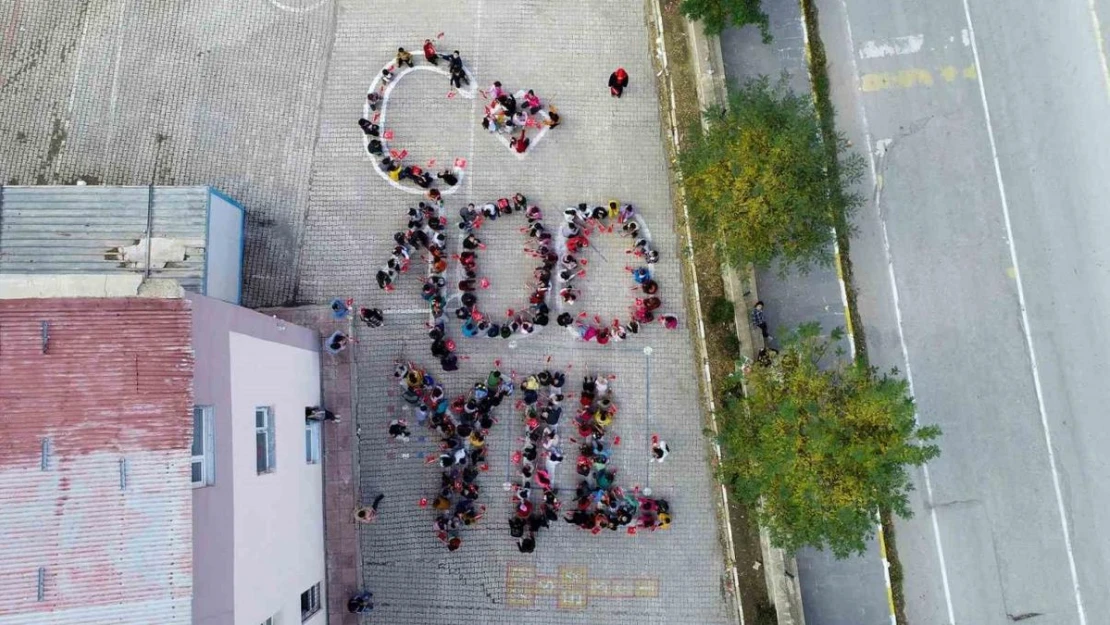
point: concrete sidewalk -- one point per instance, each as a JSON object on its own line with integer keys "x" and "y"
{"x": 834, "y": 592}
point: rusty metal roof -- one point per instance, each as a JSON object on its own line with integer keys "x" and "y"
{"x": 95, "y": 491}
{"x": 105, "y": 229}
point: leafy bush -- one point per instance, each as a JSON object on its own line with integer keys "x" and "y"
{"x": 721, "y": 311}
{"x": 757, "y": 183}
{"x": 716, "y": 15}
{"x": 819, "y": 449}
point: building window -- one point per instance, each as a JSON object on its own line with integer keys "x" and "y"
{"x": 312, "y": 442}
{"x": 204, "y": 466}
{"x": 310, "y": 602}
{"x": 264, "y": 439}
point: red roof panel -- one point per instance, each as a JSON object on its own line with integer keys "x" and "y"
{"x": 107, "y": 514}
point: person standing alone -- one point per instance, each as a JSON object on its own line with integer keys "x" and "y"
{"x": 618, "y": 80}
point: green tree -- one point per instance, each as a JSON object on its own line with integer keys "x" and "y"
{"x": 757, "y": 184}
{"x": 819, "y": 449}
{"x": 716, "y": 15}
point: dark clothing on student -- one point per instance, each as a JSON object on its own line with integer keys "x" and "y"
{"x": 618, "y": 80}
{"x": 760, "y": 321}
{"x": 448, "y": 178}
{"x": 372, "y": 317}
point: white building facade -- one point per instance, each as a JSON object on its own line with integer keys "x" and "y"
{"x": 258, "y": 519}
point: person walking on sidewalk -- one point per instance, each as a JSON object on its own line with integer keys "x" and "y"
{"x": 618, "y": 80}
{"x": 760, "y": 321}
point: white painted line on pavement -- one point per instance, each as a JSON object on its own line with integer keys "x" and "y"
{"x": 375, "y": 86}
{"x": 1025, "y": 322}
{"x": 965, "y": 37}
{"x": 895, "y": 46}
{"x": 909, "y": 380}
{"x": 474, "y": 103}
{"x": 1101, "y": 44}
{"x": 877, "y": 181}
{"x": 77, "y": 67}
{"x": 304, "y": 9}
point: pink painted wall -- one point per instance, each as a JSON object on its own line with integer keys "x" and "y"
{"x": 218, "y": 596}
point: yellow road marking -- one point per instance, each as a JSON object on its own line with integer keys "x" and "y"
{"x": 913, "y": 77}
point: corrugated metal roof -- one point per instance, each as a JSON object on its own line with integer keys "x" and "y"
{"x": 101, "y": 229}
{"x": 104, "y": 517}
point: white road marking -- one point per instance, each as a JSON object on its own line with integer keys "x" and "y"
{"x": 304, "y": 9}
{"x": 929, "y": 501}
{"x": 965, "y": 38}
{"x": 77, "y": 65}
{"x": 1064, "y": 523}
{"x": 861, "y": 109}
{"x": 474, "y": 103}
{"x": 115, "y": 78}
{"x": 1101, "y": 44}
{"x": 844, "y": 303}
{"x": 896, "y": 46}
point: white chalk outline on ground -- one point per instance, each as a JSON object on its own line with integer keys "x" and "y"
{"x": 561, "y": 249}
{"x": 459, "y": 273}
{"x": 304, "y": 9}
{"x": 468, "y": 93}
{"x": 1025, "y": 325}
{"x": 876, "y": 182}
{"x": 535, "y": 141}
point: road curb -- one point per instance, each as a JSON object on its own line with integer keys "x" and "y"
{"x": 886, "y": 575}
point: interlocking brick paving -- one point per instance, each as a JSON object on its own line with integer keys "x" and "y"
{"x": 260, "y": 98}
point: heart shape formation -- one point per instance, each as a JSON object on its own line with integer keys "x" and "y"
{"x": 377, "y": 137}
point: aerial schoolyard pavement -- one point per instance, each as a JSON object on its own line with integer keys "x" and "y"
{"x": 261, "y": 99}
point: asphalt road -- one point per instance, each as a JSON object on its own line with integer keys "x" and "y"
{"x": 981, "y": 273}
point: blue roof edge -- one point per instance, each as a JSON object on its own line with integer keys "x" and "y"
{"x": 212, "y": 190}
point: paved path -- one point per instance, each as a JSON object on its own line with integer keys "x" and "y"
{"x": 985, "y": 123}
{"x": 340, "y": 466}
{"x": 834, "y": 592}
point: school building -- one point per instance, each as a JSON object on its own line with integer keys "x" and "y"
{"x": 156, "y": 464}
